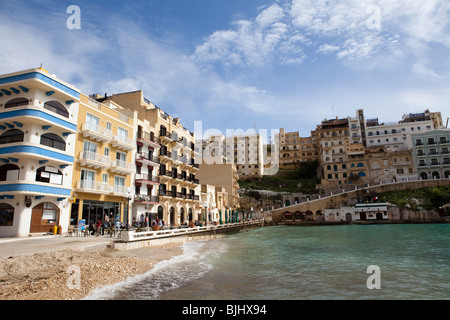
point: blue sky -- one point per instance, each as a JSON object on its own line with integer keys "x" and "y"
{"x": 239, "y": 64}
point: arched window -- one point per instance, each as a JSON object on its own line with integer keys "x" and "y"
{"x": 6, "y": 215}
{"x": 160, "y": 212}
{"x": 436, "y": 175}
{"x": 57, "y": 108}
{"x": 360, "y": 164}
{"x": 328, "y": 167}
{"x": 54, "y": 141}
{"x": 16, "y": 102}
{"x": 424, "y": 176}
{"x": 362, "y": 174}
{"x": 11, "y": 136}
{"x": 9, "y": 172}
{"x": 49, "y": 174}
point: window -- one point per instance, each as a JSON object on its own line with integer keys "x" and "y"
{"x": 119, "y": 184}
{"x": 89, "y": 150}
{"x": 49, "y": 174}
{"x": 57, "y": 108}
{"x": 87, "y": 179}
{"x": 11, "y": 136}
{"x": 17, "y": 102}
{"x": 106, "y": 151}
{"x": 92, "y": 119}
{"x": 9, "y": 172}
{"x": 53, "y": 141}
{"x": 122, "y": 132}
{"x": 121, "y": 156}
{"x": 105, "y": 178}
{"x": 108, "y": 126}
{"x": 49, "y": 213}
{"x": 6, "y": 215}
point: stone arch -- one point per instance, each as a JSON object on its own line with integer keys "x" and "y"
{"x": 172, "y": 215}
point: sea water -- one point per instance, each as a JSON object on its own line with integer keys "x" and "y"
{"x": 302, "y": 263}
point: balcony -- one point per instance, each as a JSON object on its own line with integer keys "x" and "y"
{"x": 144, "y": 178}
{"x": 94, "y": 160}
{"x": 147, "y": 138}
{"x": 122, "y": 167}
{"x": 165, "y": 156}
{"x": 93, "y": 131}
{"x": 165, "y": 176}
{"x": 119, "y": 190}
{"x": 165, "y": 193}
{"x": 146, "y": 158}
{"x": 93, "y": 187}
{"x": 123, "y": 143}
{"x": 146, "y": 199}
{"x": 165, "y": 137}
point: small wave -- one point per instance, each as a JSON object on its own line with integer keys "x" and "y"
{"x": 165, "y": 275}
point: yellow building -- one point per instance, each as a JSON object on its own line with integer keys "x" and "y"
{"x": 179, "y": 189}
{"x": 104, "y": 162}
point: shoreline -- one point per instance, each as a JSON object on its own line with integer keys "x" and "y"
{"x": 51, "y": 276}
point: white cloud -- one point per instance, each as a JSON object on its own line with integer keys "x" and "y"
{"x": 360, "y": 33}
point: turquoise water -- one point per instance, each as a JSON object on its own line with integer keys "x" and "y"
{"x": 302, "y": 263}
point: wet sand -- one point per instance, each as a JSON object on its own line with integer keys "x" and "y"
{"x": 73, "y": 274}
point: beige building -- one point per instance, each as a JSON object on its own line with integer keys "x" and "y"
{"x": 178, "y": 189}
{"x": 295, "y": 149}
{"x": 222, "y": 175}
{"x": 243, "y": 150}
{"x": 213, "y": 204}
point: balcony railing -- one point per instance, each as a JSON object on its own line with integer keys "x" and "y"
{"x": 122, "y": 166}
{"x": 95, "y": 159}
{"x": 93, "y": 186}
{"x": 145, "y": 156}
{"x": 148, "y": 137}
{"x": 123, "y": 142}
{"x": 145, "y": 198}
{"x": 95, "y": 131}
{"x": 147, "y": 177}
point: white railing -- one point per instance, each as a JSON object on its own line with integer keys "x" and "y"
{"x": 96, "y": 157}
{"x": 148, "y": 235}
{"x": 93, "y": 186}
{"x": 128, "y": 166}
{"x": 96, "y": 128}
{"x": 124, "y": 140}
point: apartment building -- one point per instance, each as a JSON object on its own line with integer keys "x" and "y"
{"x": 104, "y": 164}
{"x": 214, "y": 204}
{"x": 247, "y": 152}
{"x": 432, "y": 154}
{"x": 178, "y": 196}
{"x": 398, "y": 134}
{"x": 222, "y": 175}
{"x": 37, "y": 146}
{"x": 295, "y": 149}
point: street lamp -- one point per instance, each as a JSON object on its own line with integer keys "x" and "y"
{"x": 128, "y": 197}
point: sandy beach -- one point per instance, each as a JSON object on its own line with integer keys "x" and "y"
{"x": 53, "y": 275}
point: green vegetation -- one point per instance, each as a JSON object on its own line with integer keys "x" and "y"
{"x": 287, "y": 180}
{"x": 426, "y": 198}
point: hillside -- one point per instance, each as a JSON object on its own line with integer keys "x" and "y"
{"x": 301, "y": 179}
{"x": 426, "y": 198}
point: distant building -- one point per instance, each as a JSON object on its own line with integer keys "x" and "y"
{"x": 432, "y": 154}
{"x": 295, "y": 149}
